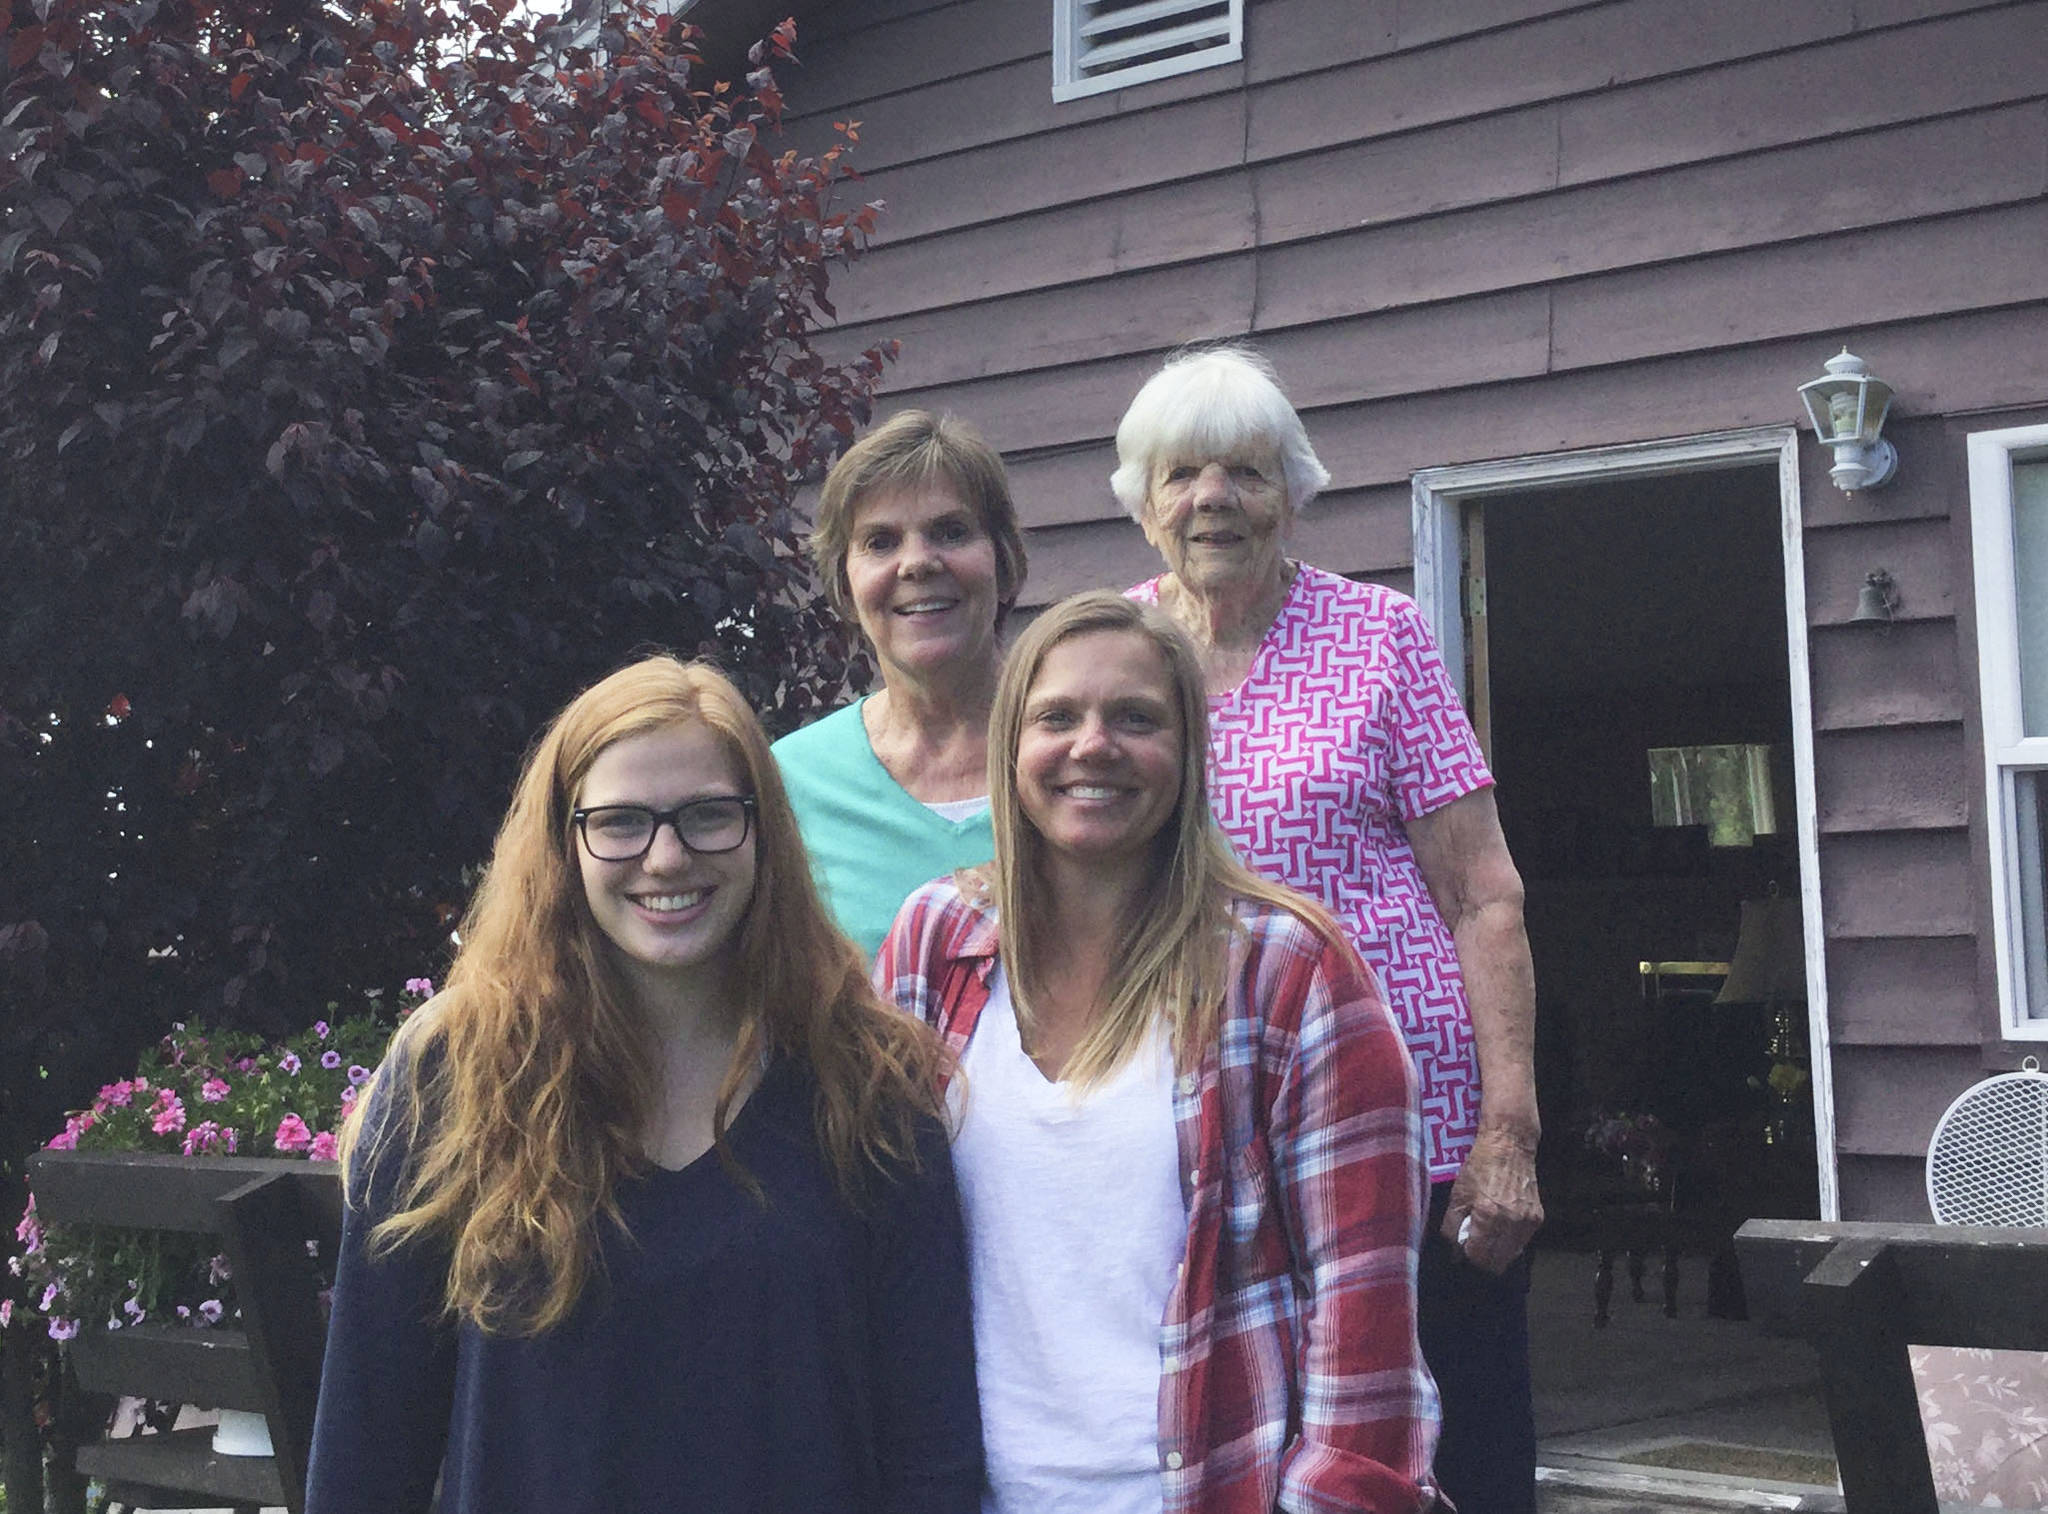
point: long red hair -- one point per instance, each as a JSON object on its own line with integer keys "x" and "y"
{"x": 526, "y": 1085}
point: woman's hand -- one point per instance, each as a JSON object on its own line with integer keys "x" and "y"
{"x": 1496, "y": 1193}
{"x": 1464, "y": 860}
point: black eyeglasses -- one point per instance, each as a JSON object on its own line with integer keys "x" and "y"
{"x": 624, "y": 832}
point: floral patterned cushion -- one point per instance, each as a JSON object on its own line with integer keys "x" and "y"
{"x": 1986, "y": 1417}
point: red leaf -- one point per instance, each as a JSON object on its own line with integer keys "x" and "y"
{"x": 27, "y": 43}
{"x": 236, "y": 85}
{"x": 225, "y": 182}
{"x": 525, "y": 378}
{"x": 118, "y": 707}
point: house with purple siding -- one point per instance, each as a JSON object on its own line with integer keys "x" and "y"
{"x": 1544, "y": 279}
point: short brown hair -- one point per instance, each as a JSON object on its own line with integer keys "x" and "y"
{"x": 912, "y": 448}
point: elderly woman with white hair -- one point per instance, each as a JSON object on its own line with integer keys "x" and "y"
{"x": 1342, "y": 764}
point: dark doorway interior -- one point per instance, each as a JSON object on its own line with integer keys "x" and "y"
{"x": 1623, "y": 618}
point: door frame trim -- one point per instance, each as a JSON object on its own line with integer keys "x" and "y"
{"x": 1439, "y": 494}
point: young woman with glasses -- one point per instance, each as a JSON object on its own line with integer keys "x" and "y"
{"x": 652, "y": 1207}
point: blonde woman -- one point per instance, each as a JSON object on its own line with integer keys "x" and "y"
{"x": 1189, "y": 1148}
{"x": 651, "y": 1208}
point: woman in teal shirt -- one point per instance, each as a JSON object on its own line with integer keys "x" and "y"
{"x": 917, "y": 542}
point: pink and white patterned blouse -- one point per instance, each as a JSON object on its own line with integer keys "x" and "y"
{"x": 1348, "y": 726}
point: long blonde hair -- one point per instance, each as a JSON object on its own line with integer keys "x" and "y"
{"x": 1172, "y": 963}
{"x": 528, "y": 1083}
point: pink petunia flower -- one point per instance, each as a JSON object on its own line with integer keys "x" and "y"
{"x": 229, "y": 1140}
{"x": 330, "y": 1059}
{"x": 6, "y": 1312}
{"x": 292, "y": 1134}
{"x": 213, "y": 1090}
{"x": 247, "y": 1064}
{"x": 320, "y": 1029}
{"x": 424, "y": 987}
{"x": 289, "y": 1063}
{"x": 348, "y": 1099}
{"x": 170, "y": 1114}
{"x": 325, "y": 1147}
{"x": 63, "y": 1329}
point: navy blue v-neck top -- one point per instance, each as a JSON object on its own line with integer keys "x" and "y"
{"x": 786, "y": 1354}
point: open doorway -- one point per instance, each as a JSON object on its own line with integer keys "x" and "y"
{"x": 1624, "y": 636}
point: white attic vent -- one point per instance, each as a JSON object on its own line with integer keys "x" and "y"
{"x": 1111, "y": 44}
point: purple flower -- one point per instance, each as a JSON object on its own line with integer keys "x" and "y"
{"x": 30, "y": 1231}
{"x": 218, "y": 1271}
{"x": 6, "y": 1312}
{"x": 183, "y": 1312}
{"x": 289, "y": 1063}
{"x": 348, "y": 1099}
{"x": 247, "y": 1064}
{"x": 358, "y": 1075}
{"x": 320, "y": 1029}
{"x": 202, "y": 1138}
{"x": 229, "y": 1140}
{"x": 330, "y": 1059}
{"x": 134, "y": 1310}
{"x": 210, "y": 1311}
{"x": 63, "y": 1329}
{"x": 213, "y": 1090}
{"x": 50, "y": 1296}
{"x": 325, "y": 1147}
{"x": 113, "y": 1322}
{"x": 423, "y": 987}
{"x": 117, "y": 1095}
{"x": 292, "y": 1134}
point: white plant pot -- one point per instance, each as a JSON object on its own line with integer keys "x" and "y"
{"x": 241, "y": 1433}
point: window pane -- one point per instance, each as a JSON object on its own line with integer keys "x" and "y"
{"x": 2030, "y": 588}
{"x": 2029, "y": 813}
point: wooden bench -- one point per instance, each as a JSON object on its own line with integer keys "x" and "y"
{"x": 1863, "y": 1292}
{"x": 264, "y": 1210}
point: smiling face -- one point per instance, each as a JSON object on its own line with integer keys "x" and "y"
{"x": 921, "y": 570}
{"x": 673, "y": 916}
{"x": 1221, "y": 521}
{"x": 1099, "y": 755}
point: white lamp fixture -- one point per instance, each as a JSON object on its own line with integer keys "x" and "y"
{"x": 1848, "y": 408}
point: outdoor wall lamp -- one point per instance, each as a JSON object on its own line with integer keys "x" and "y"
{"x": 1877, "y": 602}
{"x": 1848, "y": 407}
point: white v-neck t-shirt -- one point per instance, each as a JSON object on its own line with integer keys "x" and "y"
{"x": 1075, "y": 1230}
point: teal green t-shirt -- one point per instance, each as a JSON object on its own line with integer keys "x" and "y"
{"x": 871, "y": 843}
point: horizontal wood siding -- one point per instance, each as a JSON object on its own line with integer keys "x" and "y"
{"x": 1885, "y": 1188}
{"x": 1477, "y": 229}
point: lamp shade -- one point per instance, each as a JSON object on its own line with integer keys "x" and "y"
{"x": 1770, "y": 953}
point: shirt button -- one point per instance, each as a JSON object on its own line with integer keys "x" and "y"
{"x": 1186, "y": 1085}
{"x": 1172, "y": 1457}
{"x": 1194, "y": 1177}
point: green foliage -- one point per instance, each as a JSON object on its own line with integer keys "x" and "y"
{"x": 371, "y": 378}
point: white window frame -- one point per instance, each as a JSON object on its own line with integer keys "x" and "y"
{"x": 2008, "y": 750}
{"x": 1068, "y": 16}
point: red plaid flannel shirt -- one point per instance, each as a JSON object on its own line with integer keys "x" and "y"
{"x": 1291, "y": 1375}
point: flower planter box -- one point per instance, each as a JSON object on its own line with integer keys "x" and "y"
{"x": 265, "y": 1212}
